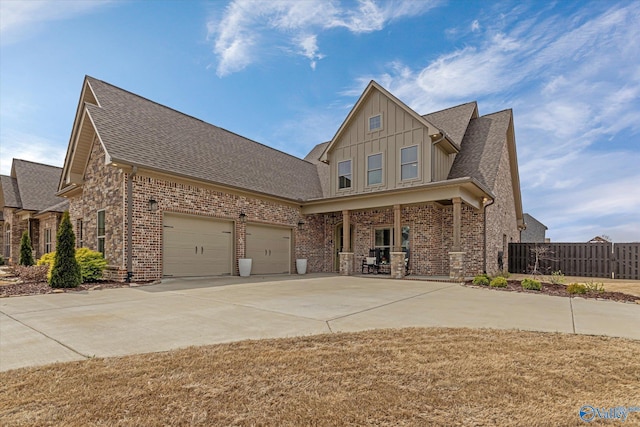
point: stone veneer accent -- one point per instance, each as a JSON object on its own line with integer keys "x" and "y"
{"x": 103, "y": 189}
{"x": 17, "y": 227}
{"x": 456, "y": 261}
{"x": 397, "y": 265}
{"x": 346, "y": 263}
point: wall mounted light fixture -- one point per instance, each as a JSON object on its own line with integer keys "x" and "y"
{"x": 243, "y": 217}
{"x": 153, "y": 205}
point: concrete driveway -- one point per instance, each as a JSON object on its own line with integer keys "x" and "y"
{"x": 43, "y": 329}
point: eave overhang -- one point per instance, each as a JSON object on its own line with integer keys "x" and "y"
{"x": 472, "y": 193}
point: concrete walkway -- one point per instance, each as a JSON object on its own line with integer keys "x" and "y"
{"x": 42, "y": 329}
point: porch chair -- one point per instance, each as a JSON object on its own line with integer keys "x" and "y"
{"x": 370, "y": 263}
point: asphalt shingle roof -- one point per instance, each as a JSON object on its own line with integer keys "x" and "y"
{"x": 323, "y": 168}
{"x": 10, "y": 192}
{"x": 36, "y": 185}
{"x": 138, "y": 131}
{"x": 453, "y": 120}
{"x": 481, "y": 148}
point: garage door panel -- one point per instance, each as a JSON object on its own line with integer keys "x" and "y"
{"x": 269, "y": 248}
{"x": 197, "y": 246}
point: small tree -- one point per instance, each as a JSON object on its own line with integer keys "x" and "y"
{"x": 66, "y": 271}
{"x": 26, "y": 250}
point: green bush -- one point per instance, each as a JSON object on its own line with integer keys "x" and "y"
{"x": 481, "y": 279}
{"x": 498, "y": 282}
{"x": 577, "y": 288}
{"x": 91, "y": 263}
{"x": 1, "y": 260}
{"x": 557, "y": 277}
{"x": 595, "y": 287}
{"x": 66, "y": 271}
{"x": 503, "y": 273}
{"x": 26, "y": 250}
{"x": 531, "y": 284}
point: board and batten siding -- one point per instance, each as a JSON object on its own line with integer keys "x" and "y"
{"x": 356, "y": 143}
{"x": 442, "y": 163}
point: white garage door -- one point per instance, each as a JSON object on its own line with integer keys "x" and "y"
{"x": 196, "y": 246}
{"x": 269, "y": 248}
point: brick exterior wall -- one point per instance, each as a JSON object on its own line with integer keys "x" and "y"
{"x": 501, "y": 217}
{"x": 17, "y": 227}
{"x": 178, "y": 197}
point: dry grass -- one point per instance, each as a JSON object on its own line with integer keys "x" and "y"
{"x": 390, "y": 377}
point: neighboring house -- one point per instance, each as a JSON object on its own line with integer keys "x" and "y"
{"x": 161, "y": 193}
{"x": 600, "y": 239}
{"x": 535, "y": 231}
{"x": 29, "y": 202}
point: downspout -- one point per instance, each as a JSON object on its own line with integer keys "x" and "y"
{"x": 484, "y": 254}
{"x": 134, "y": 171}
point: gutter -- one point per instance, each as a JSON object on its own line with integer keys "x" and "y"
{"x": 484, "y": 252}
{"x": 134, "y": 171}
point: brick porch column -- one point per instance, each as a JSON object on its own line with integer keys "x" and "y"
{"x": 456, "y": 256}
{"x": 346, "y": 255}
{"x": 397, "y": 256}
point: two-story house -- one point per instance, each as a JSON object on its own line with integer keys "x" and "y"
{"x": 164, "y": 194}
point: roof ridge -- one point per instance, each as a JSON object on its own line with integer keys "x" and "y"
{"x": 497, "y": 112}
{"x": 37, "y": 163}
{"x": 451, "y": 108}
{"x": 195, "y": 118}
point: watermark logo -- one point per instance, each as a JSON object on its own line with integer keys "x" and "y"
{"x": 589, "y": 413}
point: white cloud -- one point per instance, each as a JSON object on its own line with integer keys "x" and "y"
{"x": 20, "y": 18}
{"x": 248, "y": 28}
{"x": 475, "y": 25}
{"x": 29, "y": 147}
{"x": 574, "y": 85}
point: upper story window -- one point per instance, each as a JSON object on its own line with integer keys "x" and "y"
{"x": 375, "y": 122}
{"x": 101, "y": 231}
{"x": 344, "y": 174}
{"x": 374, "y": 169}
{"x": 409, "y": 162}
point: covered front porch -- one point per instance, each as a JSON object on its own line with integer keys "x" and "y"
{"x": 436, "y": 230}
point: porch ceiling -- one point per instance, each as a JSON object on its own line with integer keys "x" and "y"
{"x": 470, "y": 191}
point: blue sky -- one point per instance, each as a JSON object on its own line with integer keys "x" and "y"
{"x": 286, "y": 73}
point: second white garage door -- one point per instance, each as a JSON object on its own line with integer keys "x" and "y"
{"x": 197, "y": 246}
{"x": 269, "y": 248}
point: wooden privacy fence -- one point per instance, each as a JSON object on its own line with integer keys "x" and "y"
{"x": 619, "y": 260}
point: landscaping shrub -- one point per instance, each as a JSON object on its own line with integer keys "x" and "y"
{"x": 531, "y": 284}
{"x": 498, "y": 282}
{"x": 92, "y": 264}
{"x": 503, "y": 273}
{"x": 26, "y": 251}
{"x": 557, "y": 277}
{"x": 66, "y": 271}
{"x": 595, "y": 287}
{"x": 481, "y": 279}
{"x": 577, "y": 288}
{"x": 1, "y": 260}
{"x": 29, "y": 273}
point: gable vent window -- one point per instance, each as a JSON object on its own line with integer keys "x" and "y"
{"x": 344, "y": 174}
{"x": 375, "y": 122}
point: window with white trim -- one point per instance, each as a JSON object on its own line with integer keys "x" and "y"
{"x": 382, "y": 241}
{"x": 375, "y": 122}
{"x": 101, "y": 231}
{"x": 374, "y": 169}
{"x": 409, "y": 162}
{"x": 344, "y": 174}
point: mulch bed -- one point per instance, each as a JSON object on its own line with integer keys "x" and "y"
{"x": 38, "y": 288}
{"x": 561, "y": 291}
